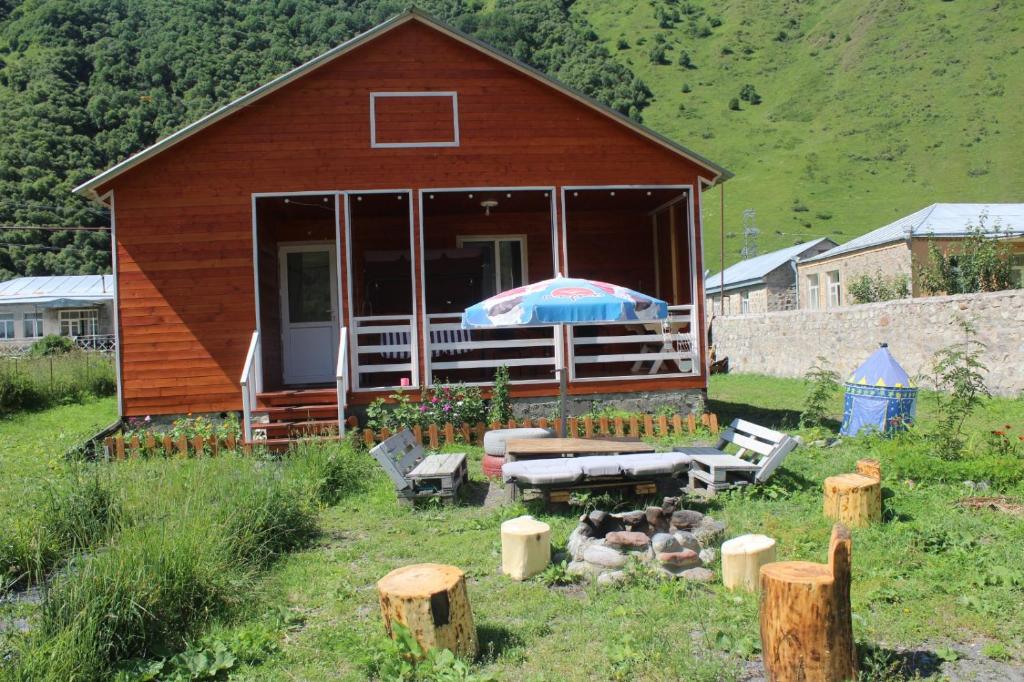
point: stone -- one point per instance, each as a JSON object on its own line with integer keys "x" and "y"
{"x": 611, "y": 577}
{"x": 686, "y": 519}
{"x": 627, "y": 540}
{"x": 597, "y": 517}
{"x": 708, "y": 555}
{"x": 669, "y": 505}
{"x": 687, "y": 540}
{"x": 604, "y": 557}
{"x": 579, "y": 540}
{"x": 686, "y": 558}
{"x": 582, "y": 568}
{"x": 632, "y": 518}
{"x": 710, "y": 532}
{"x": 663, "y": 542}
{"x": 698, "y": 575}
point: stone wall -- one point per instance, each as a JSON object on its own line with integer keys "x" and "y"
{"x": 787, "y": 343}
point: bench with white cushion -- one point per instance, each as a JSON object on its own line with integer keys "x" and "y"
{"x": 760, "y": 452}
{"x": 567, "y": 473}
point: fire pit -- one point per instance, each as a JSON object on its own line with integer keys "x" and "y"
{"x": 674, "y": 543}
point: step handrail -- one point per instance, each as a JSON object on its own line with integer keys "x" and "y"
{"x": 250, "y": 384}
{"x": 341, "y": 375}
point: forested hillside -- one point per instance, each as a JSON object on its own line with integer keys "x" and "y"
{"x": 836, "y": 115}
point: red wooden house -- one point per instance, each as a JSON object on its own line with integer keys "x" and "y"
{"x": 312, "y": 243}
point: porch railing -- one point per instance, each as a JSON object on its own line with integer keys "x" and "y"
{"x": 341, "y": 377}
{"x": 457, "y": 354}
{"x": 251, "y": 378}
{"x": 100, "y": 343}
{"x": 383, "y": 352}
{"x": 636, "y": 351}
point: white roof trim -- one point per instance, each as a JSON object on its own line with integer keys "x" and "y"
{"x": 89, "y": 187}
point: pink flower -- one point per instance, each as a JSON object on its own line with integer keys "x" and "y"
{"x": 447, "y": 408}
{"x": 435, "y": 399}
{"x": 423, "y": 408}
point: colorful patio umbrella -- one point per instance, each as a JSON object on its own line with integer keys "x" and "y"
{"x": 563, "y": 301}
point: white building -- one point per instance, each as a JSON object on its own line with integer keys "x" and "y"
{"x": 78, "y": 306}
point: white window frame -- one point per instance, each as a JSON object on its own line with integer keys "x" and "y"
{"x": 1017, "y": 269}
{"x": 496, "y": 239}
{"x": 835, "y": 289}
{"x": 71, "y": 317}
{"x": 7, "y": 326}
{"x": 454, "y": 142}
{"x": 814, "y": 291}
{"x": 745, "y": 302}
{"x": 32, "y": 324}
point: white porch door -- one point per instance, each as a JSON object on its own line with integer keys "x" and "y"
{"x": 309, "y": 312}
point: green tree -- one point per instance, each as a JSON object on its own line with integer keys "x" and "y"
{"x": 980, "y": 262}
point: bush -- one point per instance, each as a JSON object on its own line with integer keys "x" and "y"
{"x": 870, "y": 289}
{"x": 822, "y": 385}
{"x": 749, "y": 94}
{"x": 685, "y": 61}
{"x": 52, "y": 344}
{"x": 980, "y": 263}
{"x": 330, "y": 472}
{"x": 658, "y": 54}
{"x": 734, "y": 104}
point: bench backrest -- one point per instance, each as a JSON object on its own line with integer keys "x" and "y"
{"x": 766, "y": 448}
{"x": 398, "y": 455}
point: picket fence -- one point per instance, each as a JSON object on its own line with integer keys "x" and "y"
{"x": 635, "y": 426}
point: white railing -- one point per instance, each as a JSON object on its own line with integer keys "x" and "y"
{"x": 457, "y": 354}
{"x": 100, "y": 343}
{"x": 383, "y": 349}
{"x": 652, "y": 349}
{"x": 341, "y": 376}
{"x": 104, "y": 343}
{"x": 252, "y": 378}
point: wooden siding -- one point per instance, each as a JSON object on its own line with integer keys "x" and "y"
{"x": 184, "y": 217}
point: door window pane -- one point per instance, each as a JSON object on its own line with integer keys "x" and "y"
{"x": 501, "y": 264}
{"x": 309, "y": 286}
{"x": 79, "y": 322}
{"x": 511, "y": 262}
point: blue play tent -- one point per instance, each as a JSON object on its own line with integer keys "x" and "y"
{"x": 879, "y": 396}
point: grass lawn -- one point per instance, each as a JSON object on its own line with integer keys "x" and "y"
{"x": 929, "y": 558}
{"x": 934, "y": 577}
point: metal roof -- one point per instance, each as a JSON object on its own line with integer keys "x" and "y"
{"x": 754, "y": 270}
{"x": 82, "y": 288}
{"x": 940, "y": 220}
{"x": 88, "y": 188}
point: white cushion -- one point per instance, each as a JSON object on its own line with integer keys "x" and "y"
{"x": 494, "y": 441}
{"x": 653, "y": 464}
{"x": 542, "y": 471}
{"x": 599, "y": 466}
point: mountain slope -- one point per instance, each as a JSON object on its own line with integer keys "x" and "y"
{"x": 869, "y": 111}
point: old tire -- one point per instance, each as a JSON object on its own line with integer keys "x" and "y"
{"x": 492, "y": 465}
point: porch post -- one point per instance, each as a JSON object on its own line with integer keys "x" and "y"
{"x": 673, "y": 229}
{"x": 420, "y": 326}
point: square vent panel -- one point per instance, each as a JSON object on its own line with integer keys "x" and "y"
{"x": 414, "y": 119}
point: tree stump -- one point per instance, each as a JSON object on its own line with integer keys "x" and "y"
{"x": 430, "y": 600}
{"x": 806, "y": 628}
{"x": 742, "y": 559}
{"x": 855, "y": 499}
{"x": 525, "y": 547}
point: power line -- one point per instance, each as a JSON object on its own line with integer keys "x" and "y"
{"x": 54, "y": 228}
{"x": 52, "y": 248}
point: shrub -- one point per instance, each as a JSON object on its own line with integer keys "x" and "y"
{"x": 980, "y": 263}
{"x": 47, "y": 380}
{"x": 501, "y": 408}
{"x": 330, "y": 472}
{"x": 734, "y": 104}
{"x": 658, "y": 54}
{"x": 959, "y": 376}
{"x": 870, "y": 289}
{"x": 749, "y": 94}
{"x": 52, "y": 344}
{"x": 622, "y": 44}
{"x": 685, "y": 61}
{"x": 686, "y": 87}
{"x": 822, "y": 385}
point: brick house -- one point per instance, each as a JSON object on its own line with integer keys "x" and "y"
{"x": 893, "y": 249}
{"x": 765, "y": 283}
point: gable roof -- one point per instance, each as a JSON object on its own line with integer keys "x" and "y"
{"x": 88, "y": 188}
{"x": 754, "y": 270}
{"x": 83, "y": 288}
{"x": 940, "y": 220}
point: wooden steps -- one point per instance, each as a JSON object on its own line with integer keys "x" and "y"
{"x": 294, "y": 414}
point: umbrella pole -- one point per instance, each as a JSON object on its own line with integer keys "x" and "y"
{"x": 563, "y": 384}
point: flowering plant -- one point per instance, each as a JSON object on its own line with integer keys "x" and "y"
{"x": 1006, "y": 444}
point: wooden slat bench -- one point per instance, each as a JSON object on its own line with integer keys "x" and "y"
{"x": 417, "y": 475}
{"x": 714, "y": 470}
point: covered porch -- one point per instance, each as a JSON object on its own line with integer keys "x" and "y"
{"x": 363, "y": 291}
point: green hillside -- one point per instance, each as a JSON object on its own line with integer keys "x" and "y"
{"x": 869, "y": 111}
{"x": 847, "y": 114}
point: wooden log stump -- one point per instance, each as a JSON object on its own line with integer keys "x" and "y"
{"x": 855, "y": 499}
{"x": 430, "y": 600}
{"x": 806, "y": 627}
{"x": 525, "y": 547}
{"x": 742, "y": 559}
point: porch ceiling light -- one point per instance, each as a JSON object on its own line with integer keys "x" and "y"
{"x": 488, "y": 204}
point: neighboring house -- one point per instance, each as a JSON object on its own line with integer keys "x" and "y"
{"x": 892, "y": 250}
{"x": 765, "y": 283}
{"x": 369, "y": 196}
{"x": 79, "y": 306}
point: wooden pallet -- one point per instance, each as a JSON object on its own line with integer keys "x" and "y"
{"x": 436, "y": 476}
{"x": 700, "y": 483}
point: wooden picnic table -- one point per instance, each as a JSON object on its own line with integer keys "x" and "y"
{"x": 537, "y": 448}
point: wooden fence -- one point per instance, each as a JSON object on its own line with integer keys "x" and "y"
{"x": 636, "y": 426}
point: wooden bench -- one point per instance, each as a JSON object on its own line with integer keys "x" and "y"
{"x": 417, "y": 475}
{"x": 760, "y": 452}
